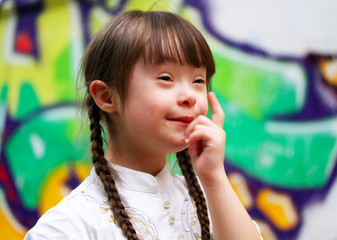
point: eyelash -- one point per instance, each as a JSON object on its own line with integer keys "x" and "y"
{"x": 165, "y": 78}
{"x": 168, "y": 78}
{"x": 200, "y": 81}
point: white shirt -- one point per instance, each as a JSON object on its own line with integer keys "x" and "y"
{"x": 159, "y": 207}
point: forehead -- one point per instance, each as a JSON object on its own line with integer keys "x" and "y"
{"x": 171, "y": 67}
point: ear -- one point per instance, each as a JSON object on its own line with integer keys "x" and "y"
{"x": 103, "y": 96}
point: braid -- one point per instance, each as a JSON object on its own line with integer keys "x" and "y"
{"x": 103, "y": 171}
{"x": 195, "y": 192}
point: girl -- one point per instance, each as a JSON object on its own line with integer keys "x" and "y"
{"x": 147, "y": 76}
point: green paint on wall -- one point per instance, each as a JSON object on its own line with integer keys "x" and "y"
{"x": 3, "y": 94}
{"x": 40, "y": 145}
{"x": 28, "y": 101}
{"x": 65, "y": 86}
{"x": 258, "y": 92}
{"x": 292, "y": 159}
{"x": 251, "y": 97}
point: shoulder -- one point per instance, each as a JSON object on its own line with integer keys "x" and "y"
{"x": 64, "y": 221}
{"x": 83, "y": 214}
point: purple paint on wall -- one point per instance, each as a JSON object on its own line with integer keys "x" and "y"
{"x": 25, "y": 216}
{"x": 26, "y": 41}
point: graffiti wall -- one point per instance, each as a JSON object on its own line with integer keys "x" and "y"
{"x": 276, "y": 80}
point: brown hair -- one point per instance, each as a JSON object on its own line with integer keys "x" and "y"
{"x": 158, "y": 37}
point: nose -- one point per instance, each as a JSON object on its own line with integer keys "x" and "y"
{"x": 187, "y": 98}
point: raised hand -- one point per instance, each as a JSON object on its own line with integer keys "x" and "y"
{"x": 207, "y": 148}
{"x": 207, "y": 142}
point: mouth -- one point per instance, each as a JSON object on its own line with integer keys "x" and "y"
{"x": 184, "y": 120}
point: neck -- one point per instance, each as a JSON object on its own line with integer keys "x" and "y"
{"x": 136, "y": 159}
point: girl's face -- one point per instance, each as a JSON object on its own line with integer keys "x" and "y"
{"x": 161, "y": 102}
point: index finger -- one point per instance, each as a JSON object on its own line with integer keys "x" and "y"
{"x": 218, "y": 115}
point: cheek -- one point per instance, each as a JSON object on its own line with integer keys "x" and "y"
{"x": 203, "y": 105}
{"x": 149, "y": 107}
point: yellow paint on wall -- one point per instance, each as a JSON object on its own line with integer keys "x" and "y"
{"x": 241, "y": 189}
{"x": 279, "y": 208}
{"x": 7, "y": 231}
{"x": 266, "y": 231}
{"x": 55, "y": 29}
{"x": 55, "y": 188}
{"x": 53, "y": 36}
{"x": 154, "y": 5}
{"x": 82, "y": 170}
{"x": 98, "y": 17}
{"x": 8, "y": 223}
{"x": 4, "y": 15}
{"x": 329, "y": 70}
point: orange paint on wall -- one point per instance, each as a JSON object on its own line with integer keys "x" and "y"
{"x": 7, "y": 229}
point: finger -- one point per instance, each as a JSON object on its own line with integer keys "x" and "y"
{"x": 197, "y": 121}
{"x": 218, "y": 115}
{"x": 200, "y": 133}
{"x": 195, "y": 149}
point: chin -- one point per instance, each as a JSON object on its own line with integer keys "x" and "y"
{"x": 179, "y": 147}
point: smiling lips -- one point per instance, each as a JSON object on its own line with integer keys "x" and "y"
{"x": 185, "y": 120}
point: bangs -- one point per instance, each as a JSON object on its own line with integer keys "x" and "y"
{"x": 175, "y": 40}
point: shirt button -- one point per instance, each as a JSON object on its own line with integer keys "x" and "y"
{"x": 167, "y": 204}
{"x": 181, "y": 237}
{"x": 171, "y": 220}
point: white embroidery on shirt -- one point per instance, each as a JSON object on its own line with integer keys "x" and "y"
{"x": 104, "y": 209}
{"x": 194, "y": 222}
{"x": 190, "y": 220}
{"x": 143, "y": 224}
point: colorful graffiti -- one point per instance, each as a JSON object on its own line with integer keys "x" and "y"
{"x": 281, "y": 117}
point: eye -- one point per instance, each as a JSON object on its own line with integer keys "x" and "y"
{"x": 165, "y": 78}
{"x": 199, "y": 81}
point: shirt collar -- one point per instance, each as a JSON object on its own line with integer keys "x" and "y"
{"x": 142, "y": 182}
